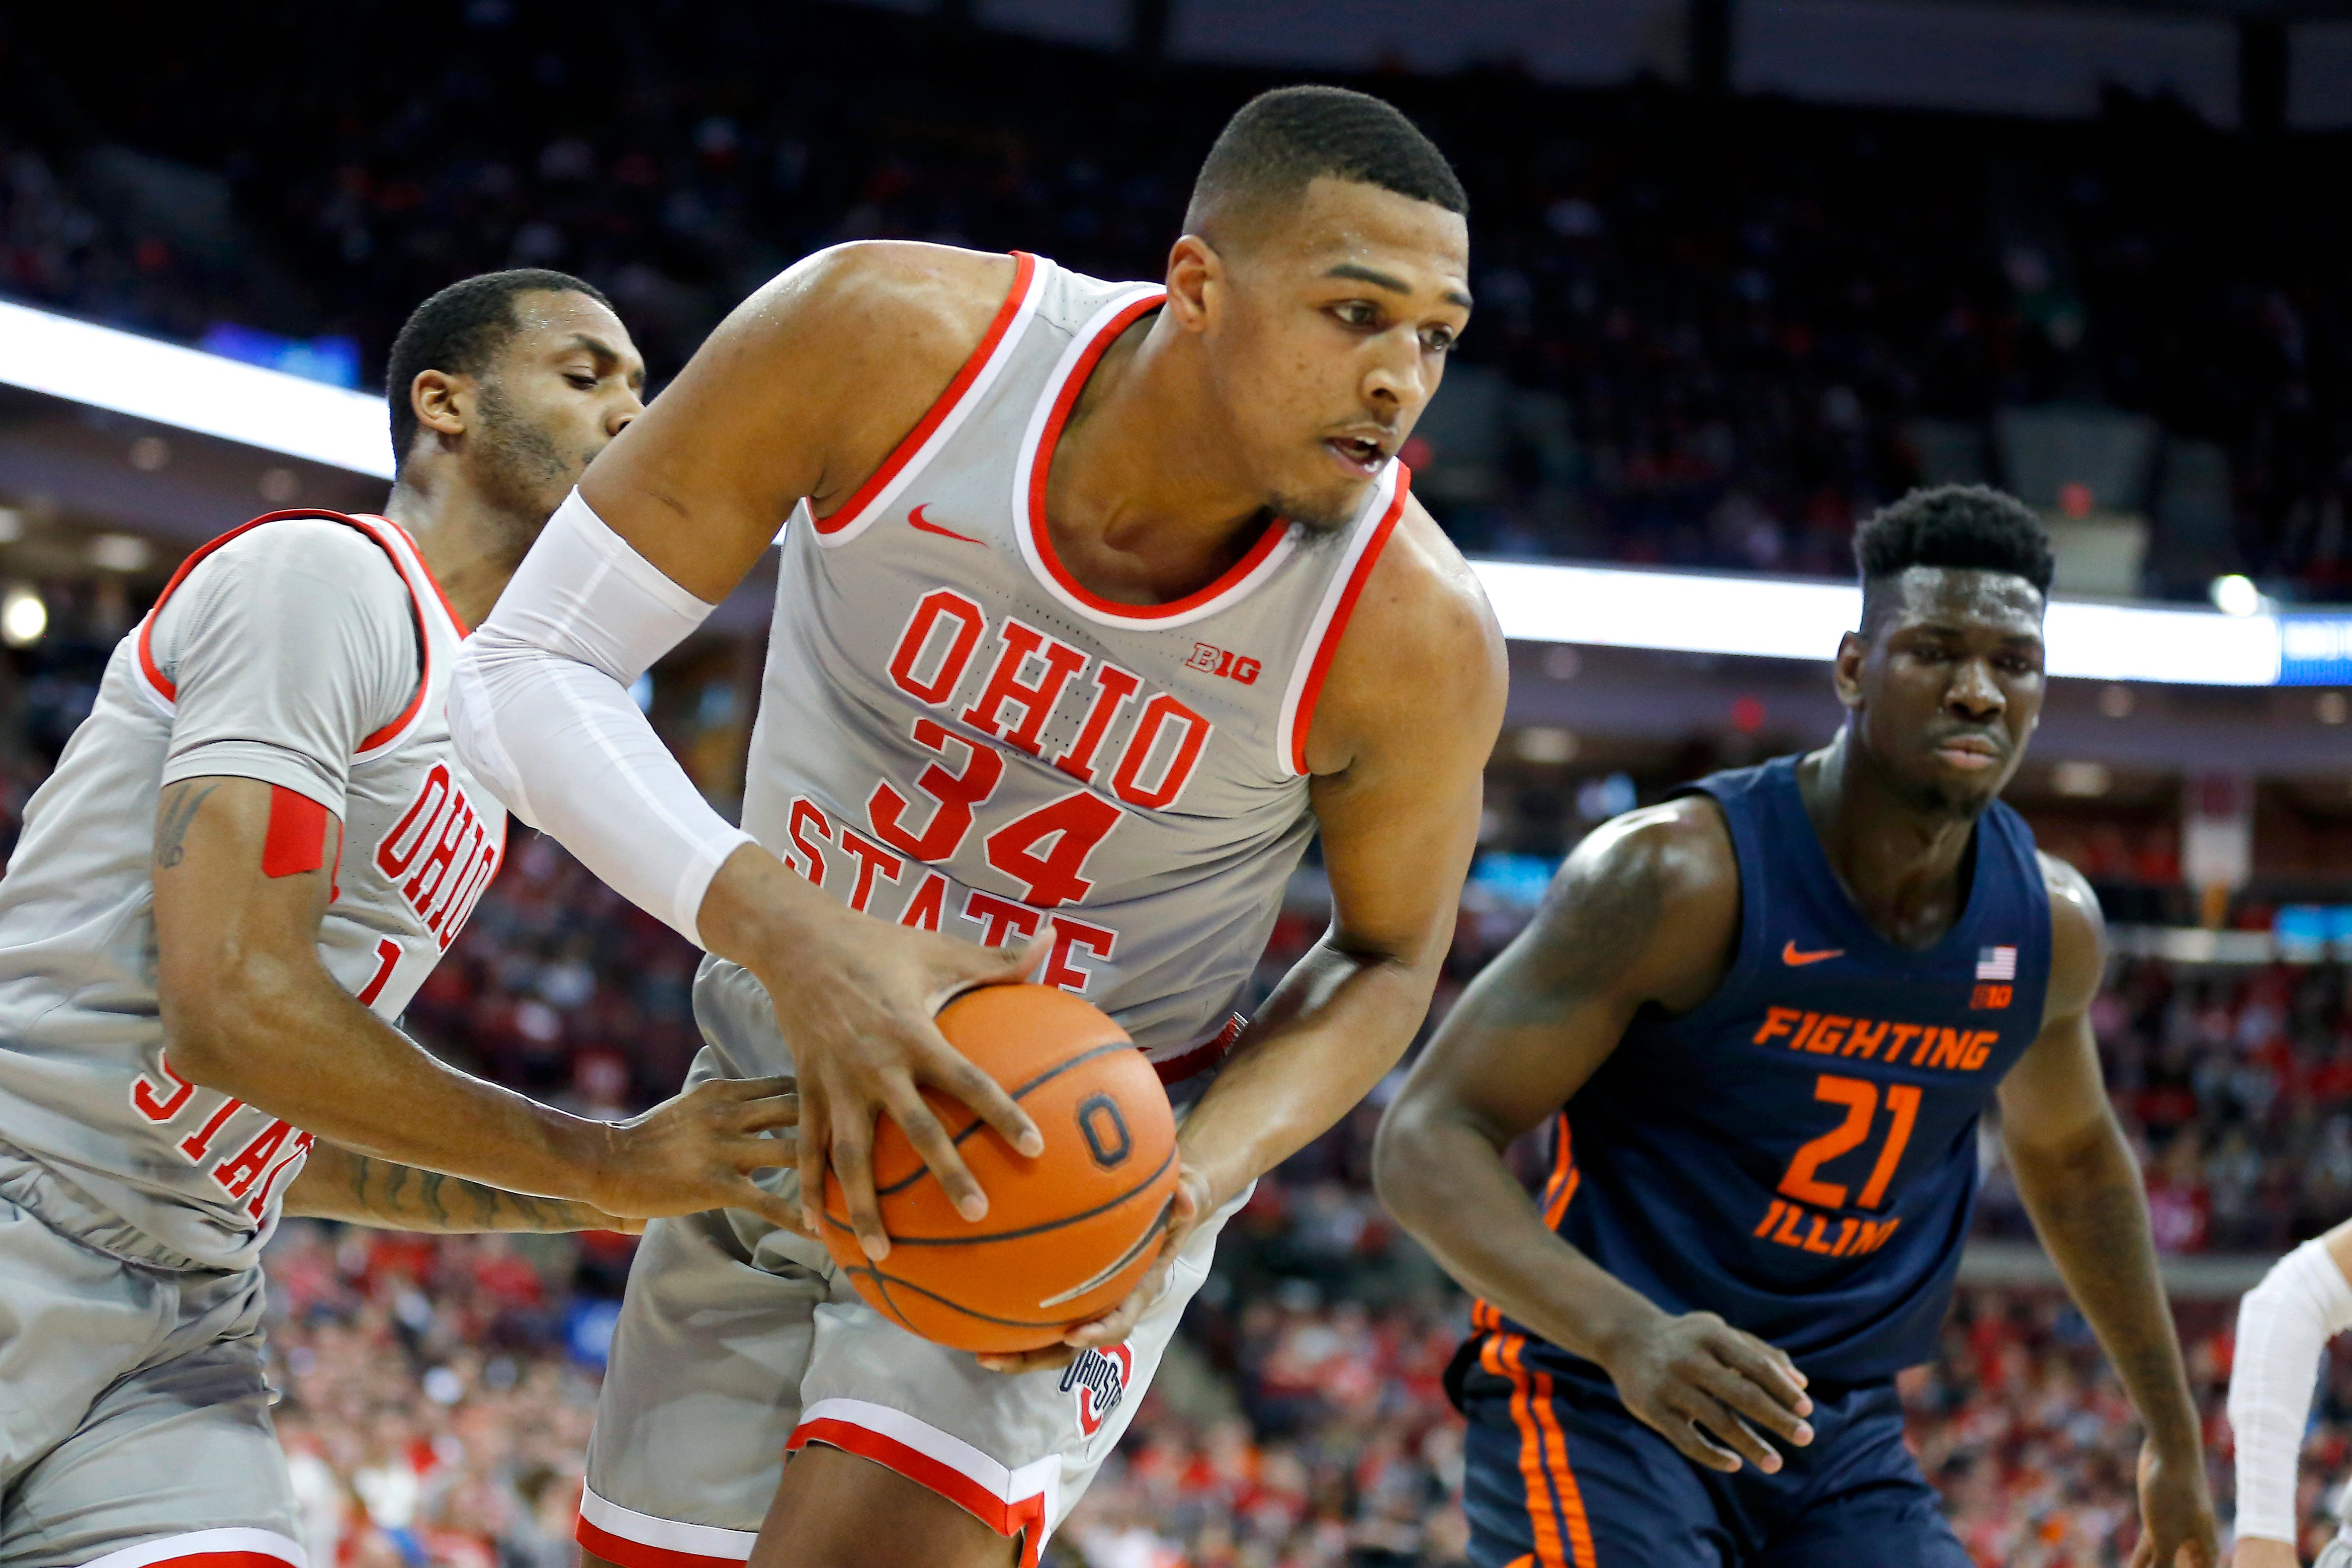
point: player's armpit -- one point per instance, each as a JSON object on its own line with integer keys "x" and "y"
{"x": 336, "y": 1184}
{"x": 1398, "y": 743}
{"x": 803, "y": 391}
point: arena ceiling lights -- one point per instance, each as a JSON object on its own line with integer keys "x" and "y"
{"x": 1689, "y": 611}
{"x": 1765, "y": 617}
{"x": 123, "y": 371}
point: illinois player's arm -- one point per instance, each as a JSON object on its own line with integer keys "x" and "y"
{"x": 2081, "y": 1185}
{"x": 1645, "y": 913}
{"x": 335, "y": 1183}
{"x": 803, "y": 392}
{"x": 1396, "y": 749}
{"x": 283, "y": 649}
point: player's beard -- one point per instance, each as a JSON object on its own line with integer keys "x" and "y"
{"x": 1318, "y": 522}
{"x": 518, "y": 466}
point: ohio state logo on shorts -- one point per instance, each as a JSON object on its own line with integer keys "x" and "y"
{"x": 1099, "y": 1379}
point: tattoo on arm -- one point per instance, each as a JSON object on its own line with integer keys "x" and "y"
{"x": 432, "y": 1200}
{"x": 181, "y": 804}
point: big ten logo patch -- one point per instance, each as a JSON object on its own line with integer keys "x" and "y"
{"x": 1988, "y": 995}
{"x": 1099, "y": 1379}
{"x": 441, "y": 854}
{"x": 1225, "y": 662}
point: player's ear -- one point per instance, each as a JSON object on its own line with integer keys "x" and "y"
{"x": 1846, "y": 670}
{"x": 443, "y": 401}
{"x": 1194, "y": 268}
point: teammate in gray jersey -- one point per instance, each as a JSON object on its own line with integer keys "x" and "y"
{"x": 248, "y": 859}
{"x": 1099, "y": 601}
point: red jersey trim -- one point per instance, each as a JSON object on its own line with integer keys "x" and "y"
{"x": 1040, "y": 466}
{"x": 628, "y": 1554}
{"x": 1024, "y": 1516}
{"x": 1024, "y": 268}
{"x": 169, "y": 690}
{"x": 1303, "y": 721}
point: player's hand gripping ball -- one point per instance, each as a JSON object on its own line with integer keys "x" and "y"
{"x": 1068, "y": 1233}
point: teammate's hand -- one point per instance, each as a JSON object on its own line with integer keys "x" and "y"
{"x": 2252, "y": 1551}
{"x": 1186, "y": 1209}
{"x": 1706, "y": 1387}
{"x": 859, "y": 1002}
{"x": 694, "y": 1153}
{"x": 2176, "y": 1514}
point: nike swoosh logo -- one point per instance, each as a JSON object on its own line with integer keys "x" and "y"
{"x": 1796, "y": 960}
{"x": 915, "y": 519}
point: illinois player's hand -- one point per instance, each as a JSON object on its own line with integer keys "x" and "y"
{"x": 1186, "y": 1210}
{"x": 1708, "y": 1388}
{"x": 697, "y": 1150}
{"x": 2176, "y": 1513}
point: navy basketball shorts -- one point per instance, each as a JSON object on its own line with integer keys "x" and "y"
{"x": 1561, "y": 1475}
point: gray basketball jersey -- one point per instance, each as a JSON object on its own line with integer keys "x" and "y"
{"x": 956, "y": 734}
{"x": 314, "y": 650}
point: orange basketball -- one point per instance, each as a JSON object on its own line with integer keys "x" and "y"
{"x": 1068, "y": 1233}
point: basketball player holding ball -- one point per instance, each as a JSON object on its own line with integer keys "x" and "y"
{"x": 1098, "y": 601}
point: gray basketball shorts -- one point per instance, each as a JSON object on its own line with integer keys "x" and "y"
{"x": 134, "y": 1416}
{"x": 740, "y": 1344}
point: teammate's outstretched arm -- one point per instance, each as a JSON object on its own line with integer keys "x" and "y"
{"x": 2283, "y": 1325}
{"x": 801, "y": 394}
{"x": 2082, "y": 1187}
{"x": 249, "y": 1009}
{"x": 1646, "y": 911}
{"x": 335, "y": 1183}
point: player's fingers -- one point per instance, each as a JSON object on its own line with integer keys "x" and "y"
{"x": 1113, "y": 1326}
{"x": 777, "y": 1211}
{"x": 816, "y": 1106}
{"x": 1029, "y": 1360}
{"x": 1756, "y": 1405}
{"x": 939, "y": 1151}
{"x": 1722, "y": 1423}
{"x": 770, "y": 1110}
{"x": 952, "y": 1073}
{"x": 1005, "y": 965}
{"x": 757, "y": 1152}
{"x": 852, "y": 1166}
{"x": 1694, "y": 1444}
{"x": 1766, "y": 1366}
{"x": 749, "y": 1087}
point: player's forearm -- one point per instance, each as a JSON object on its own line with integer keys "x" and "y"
{"x": 294, "y": 1045}
{"x": 1331, "y": 1030}
{"x": 336, "y": 1184}
{"x": 2088, "y": 1206}
{"x": 1433, "y": 1168}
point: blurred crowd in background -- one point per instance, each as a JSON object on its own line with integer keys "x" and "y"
{"x": 1708, "y": 332}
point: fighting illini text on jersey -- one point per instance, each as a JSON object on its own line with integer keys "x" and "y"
{"x": 1799, "y": 1153}
{"x": 85, "y": 1091}
{"x": 955, "y": 734}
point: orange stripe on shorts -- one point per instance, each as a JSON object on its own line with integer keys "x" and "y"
{"x": 1564, "y": 1486}
{"x": 1500, "y": 1356}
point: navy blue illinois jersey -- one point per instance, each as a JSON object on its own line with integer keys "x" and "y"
{"x": 1799, "y": 1153}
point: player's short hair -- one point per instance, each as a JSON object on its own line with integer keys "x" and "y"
{"x": 1278, "y": 142}
{"x": 1974, "y": 527}
{"x": 460, "y": 331}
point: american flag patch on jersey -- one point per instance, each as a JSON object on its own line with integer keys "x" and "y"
{"x": 1996, "y": 963}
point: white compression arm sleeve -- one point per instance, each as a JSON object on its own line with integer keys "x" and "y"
{"x": 2283, "y": 1325}
{"x": 539, "y": 710}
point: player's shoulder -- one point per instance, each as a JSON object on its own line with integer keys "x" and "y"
{"x": 903, "y": 296}
{"x": 2078, "y": 929}
{"x": 305, "y": 557}
{"x": 1681, "y": 848}
{"x": 1422, "y": 639}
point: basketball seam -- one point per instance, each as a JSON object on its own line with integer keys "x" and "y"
{"x": 975, "y": 1124}
{"x": 1105, "y": 1207}
{"x": 883, "y": 1281}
